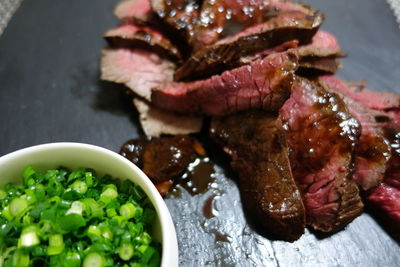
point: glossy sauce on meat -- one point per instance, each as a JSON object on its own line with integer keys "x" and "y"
{"x": 325, "y": 128}
{"x": 322, "y": 136}
{"x": 374, "y": 148}
{"x": 161, "y": 159}
{"x": 220, "y": 19}
{"x": 133, "y": 150}
{"x": 181, "y": 15}
{"x": 166, "y": 160}
{"x": 392, "y": 175}
{"x": 255, "y": 140}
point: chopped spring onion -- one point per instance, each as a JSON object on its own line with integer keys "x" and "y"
{"x": 72, "y": 219}
{"x": 125, "y": 251}
{"x": 29, "y": 237}
{"x": 56, "y": 244}
{"x": 127, "y": 210}
{"x": 94, "y": 260}
{"x": 18, "y": 206}
{"x": 79, "y": 186}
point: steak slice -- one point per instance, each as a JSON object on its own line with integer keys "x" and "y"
{"x": 321, "y": 137}
{"x": 264, "y": 83}
{"x": 141, "y": 37}
{"x": 142, "y": 71}
{"x": 156, "y": 122}
{"x": 386, "y": 199}
{"x": 138, "y": 11}
{"x": 256, "y": 143}
{"x": 139, "y": 70}
{"x": 311, "y": 66}
{"x": 226, "y": 53}
{"x": 369, "y": 99}
{"x": 219, "y": 19}
{"x": 323, "y": 44}
{"x": 320, "y": 55}
{"x": 373, "y": 151}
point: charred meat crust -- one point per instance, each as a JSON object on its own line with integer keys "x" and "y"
{"x": 226, "y": 54}
{"x": 142, "y": 37}
{"x": 256, "y": 142}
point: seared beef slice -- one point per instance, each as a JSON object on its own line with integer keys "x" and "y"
{"x": 320, "y": 55}
{"x": 321, "y": 137}
{"x": 138, "y": 11}
{"x": 134, "y": 36}
{"x": 226, "y": 53}
{"x": 265, "y": 83}
{"x": 372, "y": 151}
{"x": 386, "y": 197}
{"x": 222, "y": 18}
{"x": 256, "y": 143}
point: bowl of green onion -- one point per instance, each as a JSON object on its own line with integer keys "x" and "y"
{"x": 73, "y": 204}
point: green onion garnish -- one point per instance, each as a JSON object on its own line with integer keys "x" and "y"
{"x": 72, "y": 218}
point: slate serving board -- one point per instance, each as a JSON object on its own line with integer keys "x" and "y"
{"x": 49, "y": 91}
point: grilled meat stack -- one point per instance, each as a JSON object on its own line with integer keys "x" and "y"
{"x": 304, "y": 143}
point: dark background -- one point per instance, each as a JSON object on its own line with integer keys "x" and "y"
{"x": 50, "y": 91}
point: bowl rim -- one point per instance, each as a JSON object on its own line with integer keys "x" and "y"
{"x": 169, "y": 238}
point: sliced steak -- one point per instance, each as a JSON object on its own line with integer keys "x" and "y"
{"x": 320, "y": 55}
{"x": 141, "y": 37}
{"x": 312, "y": 66}
{"x": 386, "y": 199}
{"x": 321, "y": 137}
{"x": 178, "y": 16}
{"x": 323, "y": 44}
{"x": 277, "y": 49}
{"x": 219, "y": 19}
{"x": 138, "y": 11}
{"x": 369, "y": 99}
{"x": 373, "y": 151}
{"x": 139, "y": 70}
{"x": 256, "y": 143}
{"x": 226, "y": 53}
{"x": 156, "y": 122}
{"x": 264, "y": 83}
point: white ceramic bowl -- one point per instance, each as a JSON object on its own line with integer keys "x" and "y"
{"x": 104, "y": 161}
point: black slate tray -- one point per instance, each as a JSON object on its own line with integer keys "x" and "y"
{"x": 49, "y": 91}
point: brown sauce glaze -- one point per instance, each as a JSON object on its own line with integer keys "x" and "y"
{"x": 327, "y": 120}
{"x": 374, "y": 148}
{"x": 180, "y": 15}
{"x": 165, "y": 158}
{"x": 322, "y": 136}
{"x": 133, "y": 150}
{"x": 198, "y": 177}
{"x": 179, "y": 160}
{"x": 392, "y": 133}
